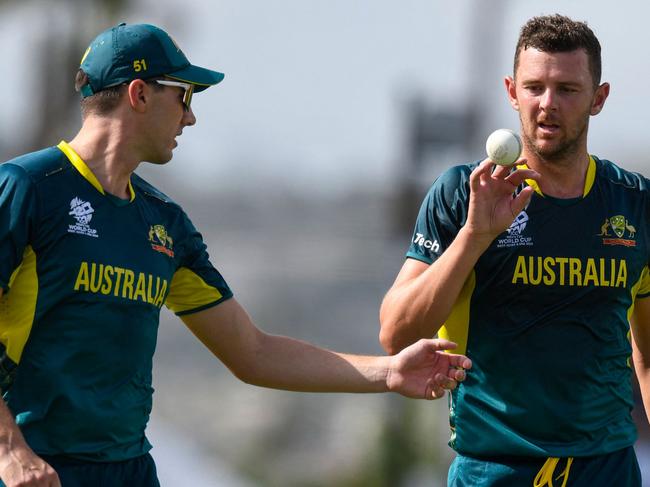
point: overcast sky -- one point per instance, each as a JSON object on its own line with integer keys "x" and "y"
{"x": 314, "y": 90}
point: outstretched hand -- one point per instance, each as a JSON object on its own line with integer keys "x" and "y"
{"x": 492, "y": 204}
{"x": 423, "y": 370}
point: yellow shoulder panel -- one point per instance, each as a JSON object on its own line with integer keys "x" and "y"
{"x": 188, "y": 291}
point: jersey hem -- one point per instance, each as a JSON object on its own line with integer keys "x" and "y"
{"x": 205, "y": 306}
{"x": 419, "y": 257}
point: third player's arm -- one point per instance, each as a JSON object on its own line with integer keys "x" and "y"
{"x": 641, "y": 348}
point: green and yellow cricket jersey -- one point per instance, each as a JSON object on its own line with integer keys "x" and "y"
{"x": 544, "y": 316}
{"x": 85, "y": 275}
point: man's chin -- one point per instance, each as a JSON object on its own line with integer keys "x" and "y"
{"x": 543, "y": 146}
{"x": 160, "y": 161}
{"x": 550, "y": 150}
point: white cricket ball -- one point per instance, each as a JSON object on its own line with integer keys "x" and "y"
{"x": 503, "y": 147}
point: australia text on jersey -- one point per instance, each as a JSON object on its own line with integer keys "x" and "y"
{"x": 121, "y": 282}
{"x": 570, "y": 271}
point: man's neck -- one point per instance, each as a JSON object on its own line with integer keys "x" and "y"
{"x": 561, "y": 179}
{"x": 103, "y": 145}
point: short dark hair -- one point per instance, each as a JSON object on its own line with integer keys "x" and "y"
{"x": 100, "y": 103}
{"x": 557, "y": 33}
{"x": 105, "y": 101}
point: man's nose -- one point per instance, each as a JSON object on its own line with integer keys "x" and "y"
{"x": 188, "y": 117}
{"x": 548, "y": 101}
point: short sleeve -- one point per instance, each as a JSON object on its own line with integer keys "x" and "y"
{"x": 17, "y": 213}
{"x": 196, "y": 284}
{"x": 442, "y": 213}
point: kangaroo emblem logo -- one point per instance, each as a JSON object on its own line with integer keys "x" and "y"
{"x": 160, "y": 240}
{"x": 624, "y": 231}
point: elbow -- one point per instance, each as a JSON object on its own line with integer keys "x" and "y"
{"x": 390, "y": 326}
{"x": 388, "y": 342}
{"x": 244, "y": 373}
{"x": 248, "y": 366}
{"x": 398, "y": 331}
{"x": 386, "y": 330}
{"x": 389, "y": 337}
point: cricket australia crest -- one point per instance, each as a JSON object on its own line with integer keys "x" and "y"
{"x": 624, "y": 233}
{"x": 160, "y": 240}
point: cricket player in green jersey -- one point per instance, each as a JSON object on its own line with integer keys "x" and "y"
{"x": 91, "y": 252}
{"x": 544, "y": 285}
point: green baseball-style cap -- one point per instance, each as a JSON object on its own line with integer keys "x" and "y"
{"x": 139, "y": 51}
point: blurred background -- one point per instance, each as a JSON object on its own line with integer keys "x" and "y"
{"x": 305, "y": 172}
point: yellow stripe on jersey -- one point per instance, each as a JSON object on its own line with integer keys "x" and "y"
{"x": 589, "y": 179}
{"x": 18, "y": 306}
{"x": 84, "y": 170}
{"x": 456, "y": 328}
{"x": 641, "y": 286}
{"x": 188, "y": 292}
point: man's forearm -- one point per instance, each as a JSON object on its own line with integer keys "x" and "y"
{"x": 418, "y": 307}
{"x": 279, "y": 362}
{"x": 306, "y": 368}
{"x": 421, "y": 371}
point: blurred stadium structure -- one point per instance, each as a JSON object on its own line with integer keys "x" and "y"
{"x": 311, "y": 242}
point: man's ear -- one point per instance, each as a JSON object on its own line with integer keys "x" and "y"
{"x": 602, "y": 92}
{"x": 138, "y": 93}
{"x": 511, "y": 90}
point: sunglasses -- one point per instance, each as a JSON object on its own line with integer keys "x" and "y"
{"x": 188, "y": 87}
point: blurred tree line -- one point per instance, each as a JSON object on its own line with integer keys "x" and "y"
{"x": 53, "y": 63}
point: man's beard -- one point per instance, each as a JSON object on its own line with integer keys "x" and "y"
{"x": 563, "y": 151}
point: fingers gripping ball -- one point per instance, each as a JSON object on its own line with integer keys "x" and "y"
{"x": 503, "y": 147}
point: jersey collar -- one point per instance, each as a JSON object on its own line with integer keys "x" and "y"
{"x": 589, "y": 180}
{"x": 84, "y": 170}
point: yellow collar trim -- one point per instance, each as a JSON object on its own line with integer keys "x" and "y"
{"x": 84, "y": 170}
{"x": 589, "y": 180}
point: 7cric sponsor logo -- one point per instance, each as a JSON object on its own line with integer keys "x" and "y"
{"x": 427, "y": 244}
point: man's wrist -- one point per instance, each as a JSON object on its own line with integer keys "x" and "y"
{"x": 474, "y": 241}
{"x": 12, "y": 444}
{"x": 390, "y": 374}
